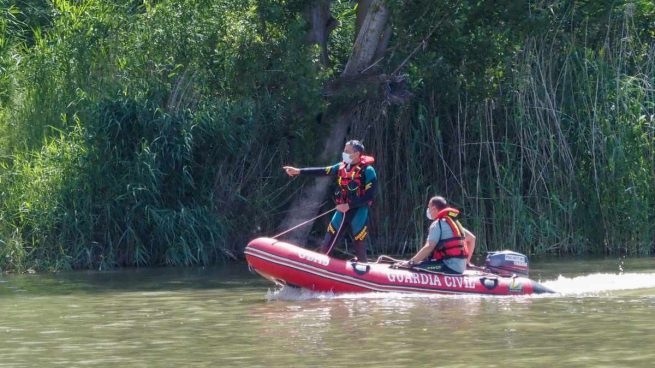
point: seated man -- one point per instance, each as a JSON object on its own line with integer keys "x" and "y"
{"x": 449, "y": 245}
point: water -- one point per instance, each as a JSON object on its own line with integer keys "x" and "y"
{"x": 213, "y": 318}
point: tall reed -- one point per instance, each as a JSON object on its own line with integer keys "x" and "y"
{"x": 558, "y": 161}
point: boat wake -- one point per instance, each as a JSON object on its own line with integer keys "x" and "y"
{"x": 293, "y": 293}
{"x": 590, "y": 285}
{"x": 601, "y": 282}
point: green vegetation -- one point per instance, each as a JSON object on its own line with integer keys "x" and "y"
{"x": 143, "y": 134}
{"x": 152, "y": 132}
{"x": 545, "y": 134}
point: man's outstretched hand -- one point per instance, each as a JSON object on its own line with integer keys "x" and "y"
{"x": 291, "y": 171}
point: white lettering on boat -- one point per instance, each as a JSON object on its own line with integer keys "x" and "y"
{"x": 459, "y": 282}
{"x": 414, "y": 278}
{"x": 316, "y": 258}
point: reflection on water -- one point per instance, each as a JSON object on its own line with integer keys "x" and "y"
{"x": 209, "y": 318}
{"x": 506, "y": 331}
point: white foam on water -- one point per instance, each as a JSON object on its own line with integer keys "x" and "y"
{"x": 288, "y": 293}
{"x": 600, "y": 282}
{"x": 294, "y": 293}
{"x": 563, "y": 286}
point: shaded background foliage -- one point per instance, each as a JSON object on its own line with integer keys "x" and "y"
{"x": 544, "y": 133}
{"x": 152, "y": 132}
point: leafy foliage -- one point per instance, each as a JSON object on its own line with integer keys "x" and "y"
{"x": 151, "y": 132}
{"x": 140, "y": 131}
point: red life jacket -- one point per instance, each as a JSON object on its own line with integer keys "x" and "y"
{"x": 351, "y": 182}
{"x": 451, "y": 247}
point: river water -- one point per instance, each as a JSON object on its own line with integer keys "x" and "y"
{"x": 602, "y": 317}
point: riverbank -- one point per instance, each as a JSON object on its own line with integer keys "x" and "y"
{"x": 152, "y": 134}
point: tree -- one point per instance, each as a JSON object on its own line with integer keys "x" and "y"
{"x": 361, "y": 92}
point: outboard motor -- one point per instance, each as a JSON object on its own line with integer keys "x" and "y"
{"x": 506, "y": 263}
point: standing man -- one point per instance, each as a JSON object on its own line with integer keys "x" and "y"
{"x": 357, "y": 184}
{"x": 449, "y": 245}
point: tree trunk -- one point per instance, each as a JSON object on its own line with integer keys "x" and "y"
{"x": 362, "y": 9}
{"x": 370, "y": 41}
{"x": 310, "y": 199}
{"x": 382, "y": 45}
{"x": 368, "y": 38}
{"x": 321, "y": 25}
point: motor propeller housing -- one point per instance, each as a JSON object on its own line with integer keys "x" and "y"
{"x": 507, "y": 263}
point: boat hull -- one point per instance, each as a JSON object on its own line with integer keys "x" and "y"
{"x": 288, "y": 264}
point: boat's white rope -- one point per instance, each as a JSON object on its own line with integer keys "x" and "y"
{"x": 303, "y": 223}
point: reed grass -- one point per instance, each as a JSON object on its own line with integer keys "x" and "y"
{"x": 137, "y": 134}
{"x": 559, "y": 160}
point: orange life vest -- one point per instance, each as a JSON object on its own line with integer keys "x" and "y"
{"x": 351, "y": 182}
{"x": 451, "y": 247}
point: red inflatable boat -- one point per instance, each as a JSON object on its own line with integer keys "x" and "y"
{"x": 288, "y": 264}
